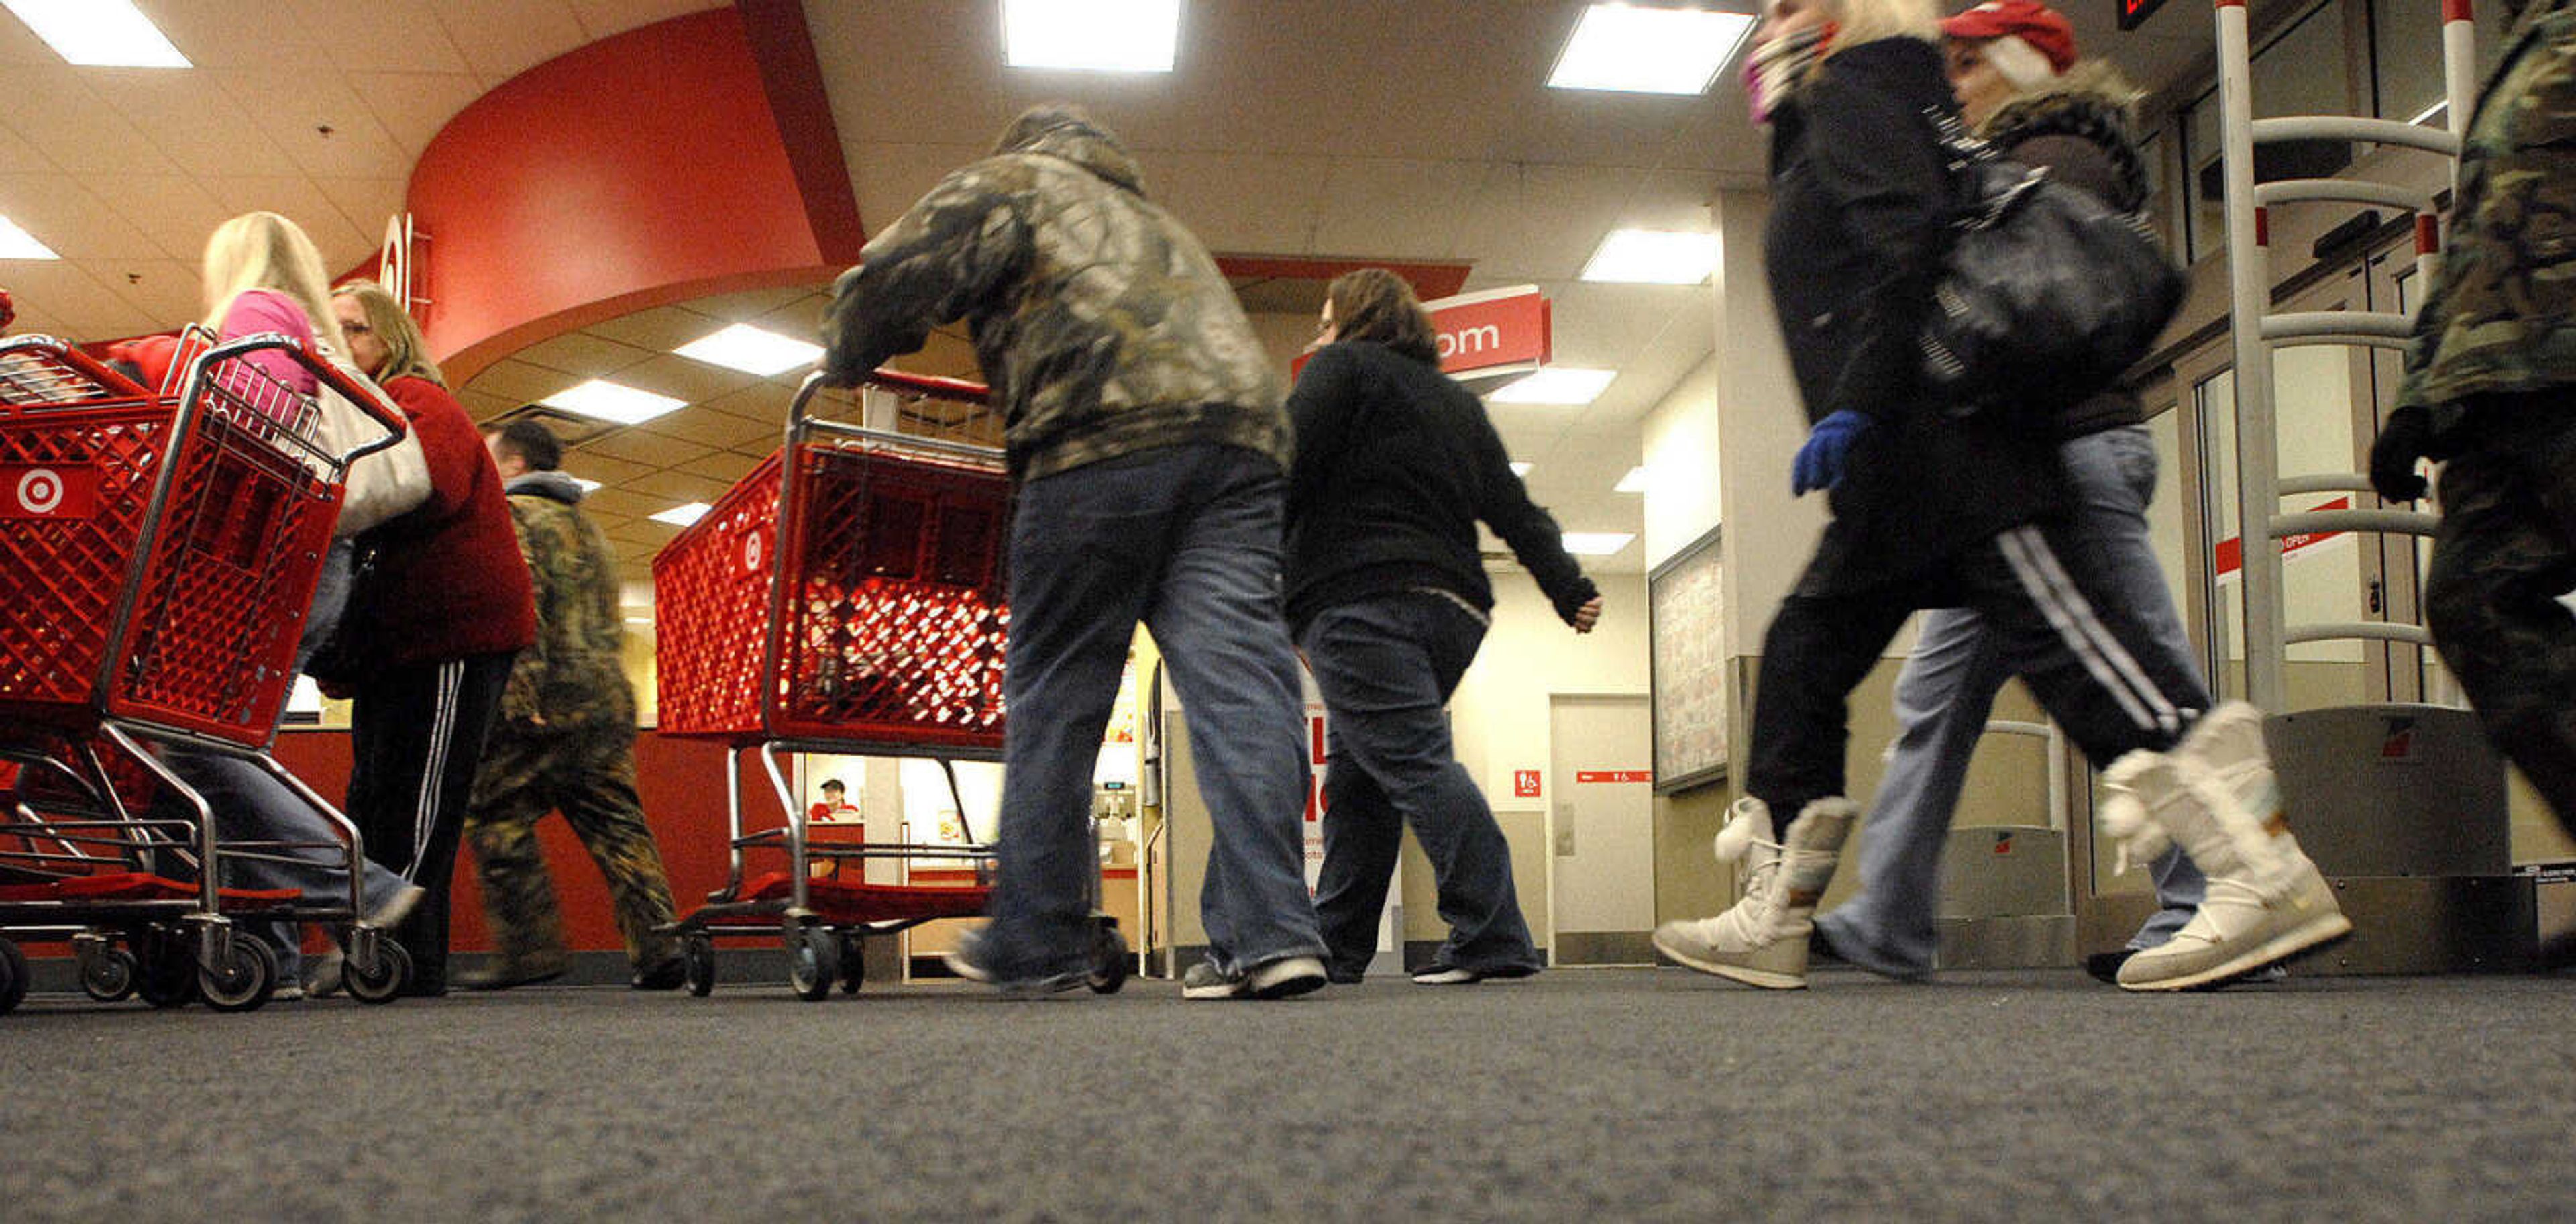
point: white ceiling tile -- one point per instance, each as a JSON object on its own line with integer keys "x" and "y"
{"x": 1246, "y": 202}
{"x": 67, "y": 216}
{"x": 225, "y": 34}
{"x": 890, "y": 178}
{"x": 165, "y": 293}
{"x": 377, "y": 35}
{"x": 583, "y": 356}
{"x": 176, "y": 213}
{"x": 58, "y": 298}
{"x": 602, "y": 18}
{"x": 77, "y": 130}
{"x": 650, "y": 450}
{"x": 682, "y": 378}
{"x": 414, "y": 106}
{"x": 317, "y": 119}
{"x": 199, "y": 126}
{"x": 366, "y": 204}
{"x": 502, "y": 38}
{"x": 1396, "y": 209}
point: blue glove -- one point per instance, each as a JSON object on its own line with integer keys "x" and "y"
{"x": 1827, "y": 453}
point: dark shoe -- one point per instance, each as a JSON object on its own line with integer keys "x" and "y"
{"x": 1862, "y": 956}
{"x": 661, "y": 975}
{"x": 965, "y": 960}
{"x": 1339, "y": 976}
{"x": 1280, "y": 979}
{"x": 502, "y": 975}
{"x": 2105, "y": 966}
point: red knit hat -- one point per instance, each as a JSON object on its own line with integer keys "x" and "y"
{"x": 2033, "y": 23}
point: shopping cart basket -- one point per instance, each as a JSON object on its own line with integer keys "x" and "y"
{"x": 848, "y": 596}
{"x": 159, "y": 548}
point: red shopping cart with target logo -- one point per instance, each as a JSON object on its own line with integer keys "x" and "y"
{"x": 159, "y": 548}
{"x": 849, "y": 596}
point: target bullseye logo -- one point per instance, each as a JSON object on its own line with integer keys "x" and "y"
{"x": 40, "y": 491}
{"x": 37, "y": 491}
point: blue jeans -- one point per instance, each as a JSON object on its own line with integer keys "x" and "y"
{"x": 250, "y": 805}
{"x": 1187, "y": 540}
{"x": 1387, "y": 665}
{"x": 1948, "y": 688}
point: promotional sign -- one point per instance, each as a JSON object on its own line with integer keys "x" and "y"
{"x": 1614, "y": 775}
{"x": 48, "y": 491}
{"x": 1487, "y": 337}
{"x": 2230, "y": 553}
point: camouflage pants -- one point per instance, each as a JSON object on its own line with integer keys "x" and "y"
{"x": 591, "y": 780}
{"x": 2506, "y": 551}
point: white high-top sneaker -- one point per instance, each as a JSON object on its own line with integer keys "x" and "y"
{"x": 2216, "y": 797}
{"x": 1762, "y": 940}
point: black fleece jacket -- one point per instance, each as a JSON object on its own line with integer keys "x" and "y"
{"x": 1395, "y": 465}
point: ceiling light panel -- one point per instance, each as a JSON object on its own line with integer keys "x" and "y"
{"x": 1521, "y": 469}
{"x": 613, "y": 402}
{"x": 1652, "y": 257}
{"x": 1091, "y": 35}
{"x": 1597, "y": 543}
{"x": 751, "y": 350}
{"x": 1648, "y": 50}
{"x": 1633, "y": 482}
{"x": 1556, "y": 385}
{"x": 99, "y": 33}
{"x": 16, "y": 243}
{"x": 683, "y": 515}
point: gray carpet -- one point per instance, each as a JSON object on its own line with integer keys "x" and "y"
{"x": 1583, "y": 1096}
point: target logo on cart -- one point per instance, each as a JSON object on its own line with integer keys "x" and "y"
{"x": 753, "y": 554}
{"x": 44, "y": 491}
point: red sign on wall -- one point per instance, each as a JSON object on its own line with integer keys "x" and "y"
{"x": 1491, "y": 329}
{"x": 1614, "y": 775}
{"x": 1525, "y": 784}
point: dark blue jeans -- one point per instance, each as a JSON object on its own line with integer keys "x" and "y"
{"x": 1387, "y": 666}
{"x": 1185, "y": 539}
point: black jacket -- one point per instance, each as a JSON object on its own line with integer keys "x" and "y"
{"x": 2079, "y": 132}
{"x": 1860, "y": 206}
{"x": 1395, "y": 465}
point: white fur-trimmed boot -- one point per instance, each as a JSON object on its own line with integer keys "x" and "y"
{"x": 2215, "y": 796}
{"x": 1762, "y": 940}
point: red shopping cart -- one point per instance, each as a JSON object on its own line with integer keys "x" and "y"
{"x": 848, "y": 596}
{"x": 158, "y": 550}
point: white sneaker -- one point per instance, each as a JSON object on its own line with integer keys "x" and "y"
{"x": 1762, "y": 940}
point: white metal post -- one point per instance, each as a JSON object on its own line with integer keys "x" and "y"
{"x": 2249, "y": 292}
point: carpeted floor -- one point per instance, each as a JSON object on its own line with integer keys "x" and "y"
{"x": 1582, "y": 1097}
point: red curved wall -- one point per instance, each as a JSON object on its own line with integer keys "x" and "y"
{"x": 639, "y": 170}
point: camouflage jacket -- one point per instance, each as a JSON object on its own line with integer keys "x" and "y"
{"x": 1101, "y": 323}
{"x": 572, "y": 679}
{"x": 2502, "y": 316}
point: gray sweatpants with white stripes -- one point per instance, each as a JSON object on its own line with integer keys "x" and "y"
{"x": 2090, "y": 661}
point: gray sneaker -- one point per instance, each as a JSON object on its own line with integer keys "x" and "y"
{"x": 966, "y": 961}
{"x": 1280, "y": 979}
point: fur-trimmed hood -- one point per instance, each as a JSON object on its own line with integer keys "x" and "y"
{"x": 2090, "y": 100}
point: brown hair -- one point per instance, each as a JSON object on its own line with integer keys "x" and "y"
{"x": 1377, "y": 305}
{"x": 406, "y": 350}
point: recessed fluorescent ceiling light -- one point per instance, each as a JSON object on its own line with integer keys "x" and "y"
{"x": 1653, "y": 257}
{"x": 586, "y": 485}
{"x": 611, "y": 402}
{"x": 1648, "y": 50}
{"x": 1555, "y": 385}
{"x": 99, "y": 33}
{"x": 1633, "y": 482}
{"x": 751, "y": 350}
{"x": 16, "y": 243}
{"x": 682, "y": 516}
{"x": 1596, "y": 543}
{"x": 1091, "y": 35}
{"x": 1522, "y": 469}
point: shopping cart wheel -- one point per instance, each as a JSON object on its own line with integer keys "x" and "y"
{"x": 698, "y": 964}
{"x": 1110, "y": 960}
{"x": 13, "y": 977}
{"x": 813, "y": 961}
{"x": 854, "y": 962}
{"x": 242, "y": 980}
{"x": 169, "y": 976}
{"x": 109, "y": 977}
{"x": 381, "y": 982}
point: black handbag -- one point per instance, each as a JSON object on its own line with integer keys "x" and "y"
{"x": 2047, "y": 295}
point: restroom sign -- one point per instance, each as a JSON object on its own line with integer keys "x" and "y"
{"x": 1524, "y": 784}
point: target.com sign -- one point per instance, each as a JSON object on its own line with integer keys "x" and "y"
{"x": 47, "y": 491}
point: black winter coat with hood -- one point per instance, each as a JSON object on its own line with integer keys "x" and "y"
{"x": 1861, "y": 201}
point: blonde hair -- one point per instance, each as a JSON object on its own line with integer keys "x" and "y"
{"x": 262, "y": 250}
{"x": 406, "y": 350}
{"x": 1861, "y": 21}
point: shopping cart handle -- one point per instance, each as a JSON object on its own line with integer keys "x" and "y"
{"x": 357, "y": 389}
